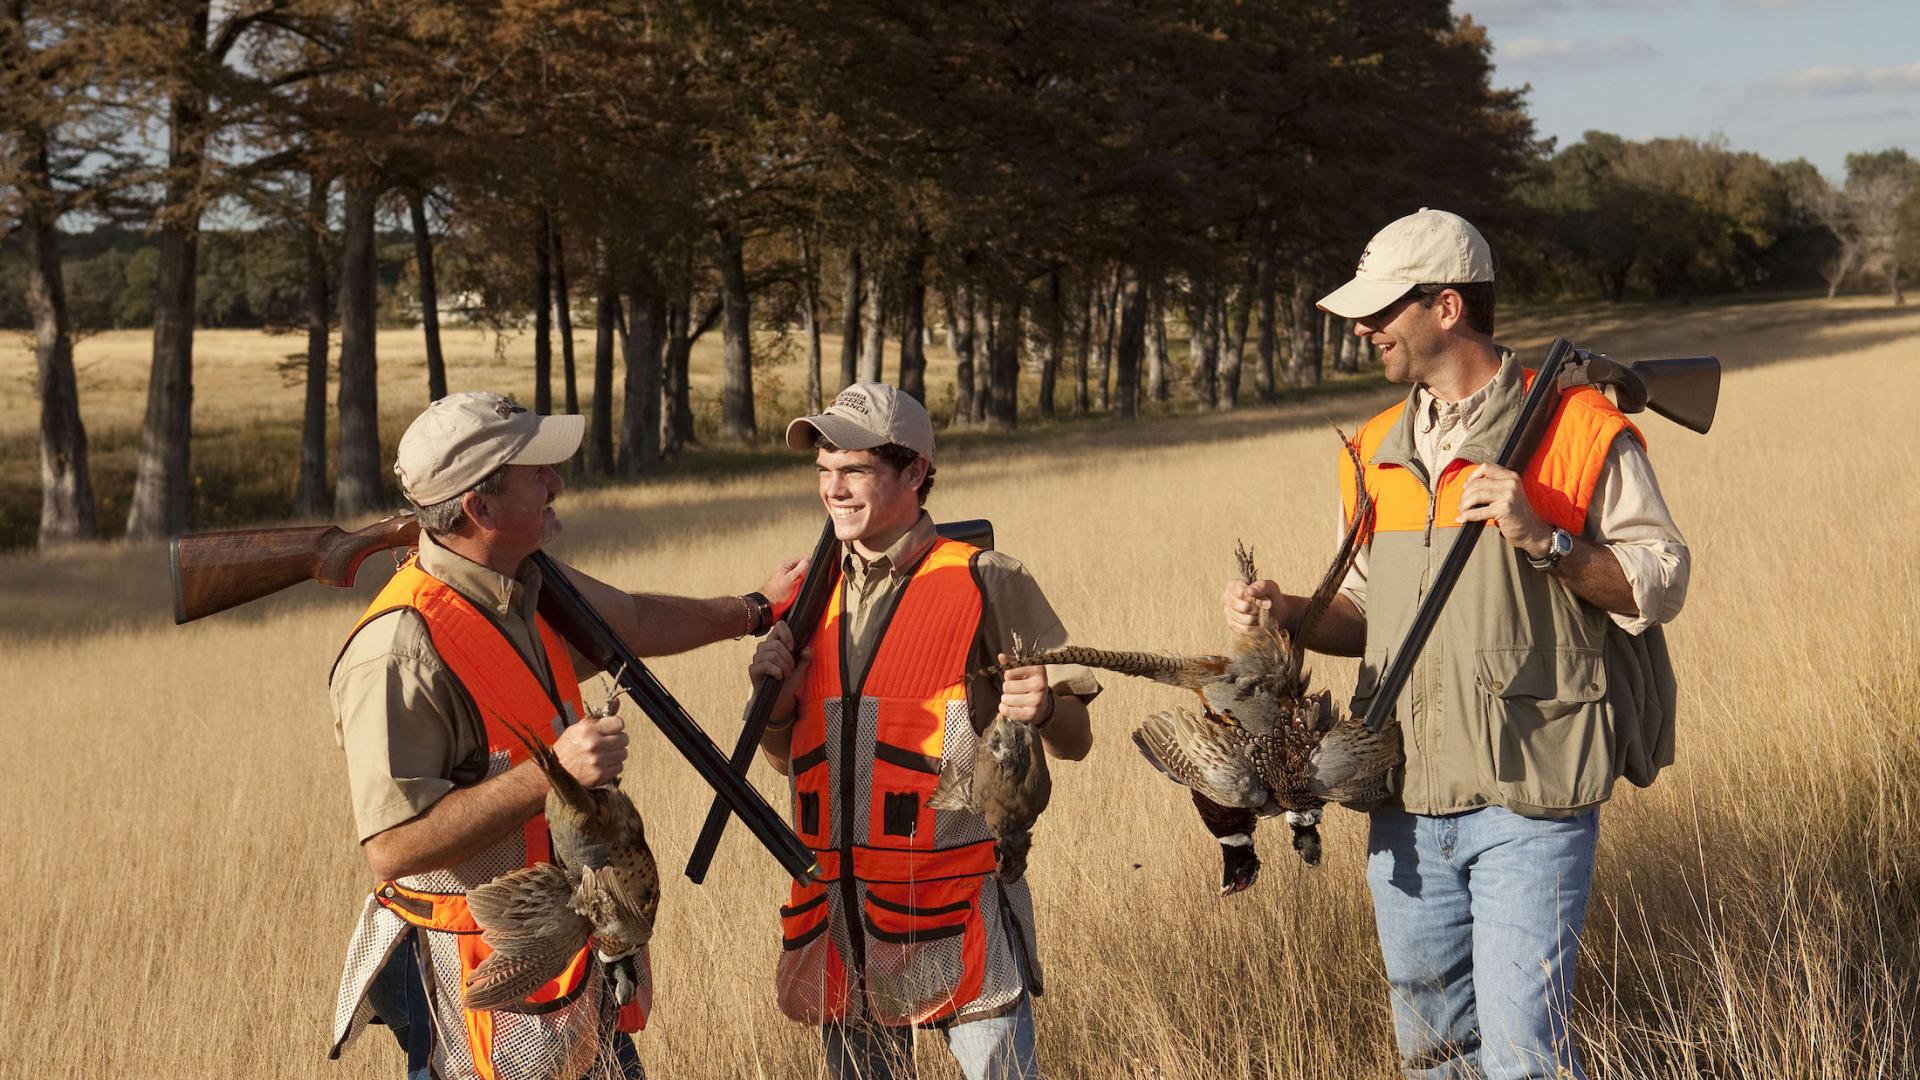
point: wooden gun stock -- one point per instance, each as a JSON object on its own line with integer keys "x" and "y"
{"x": 212, "y": 572}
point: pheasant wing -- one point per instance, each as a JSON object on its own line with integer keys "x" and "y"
{"x": 1352, "y": 763}
{"x": 525, "y": 918}
{"x": 1203, "y": 755}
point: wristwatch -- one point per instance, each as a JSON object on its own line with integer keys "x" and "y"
{"x": 762, "y": 610}
{"x": 1559, "y": 546}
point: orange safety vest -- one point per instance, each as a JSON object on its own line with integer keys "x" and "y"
{"x": 897, "y": 927}
{"x": 498, "y": 1045}
{"x": 1559, "y": 480}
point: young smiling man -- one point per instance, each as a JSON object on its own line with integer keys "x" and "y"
{"x": 427, "y": 692}
{"x": 908, "y": 926}
{"x": 1545, "y": 679}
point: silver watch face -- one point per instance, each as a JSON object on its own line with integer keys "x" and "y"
{"x": 1562, "y": 545}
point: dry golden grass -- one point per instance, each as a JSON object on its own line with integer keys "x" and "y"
{"x": 180, "y": 879}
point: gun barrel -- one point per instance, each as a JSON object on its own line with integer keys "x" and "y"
{"x": 583, "y": 627}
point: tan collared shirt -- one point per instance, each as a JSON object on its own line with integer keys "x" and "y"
{"x": 1013, "y": 604}
{"x": 1627, "y": 514}
{"x": 410, "y": 730}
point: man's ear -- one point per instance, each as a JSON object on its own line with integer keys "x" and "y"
{"x": 476, "y": 509}
{"x": 1451, "y": 308}
{"x": 922, "y": 464}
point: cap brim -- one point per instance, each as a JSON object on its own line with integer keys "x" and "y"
{"x": 557, "y": 439}
{"x": 1362, "y": 297}
{"x": 839, "y": 431}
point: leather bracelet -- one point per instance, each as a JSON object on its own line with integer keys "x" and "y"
{"x": 762, "y": 613}
{"x": 753, "y": 616}
{"x": 1053, "y": 710}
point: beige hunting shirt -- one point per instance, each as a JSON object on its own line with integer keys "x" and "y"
{"x": 1627, "y": 515}
{"x": 410, "y": 731}
{"x": 1012, "y": 604}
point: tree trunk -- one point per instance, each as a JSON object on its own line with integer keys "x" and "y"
{"x": 1056, "y": 341}
{"x": 850, "y": 321}
{"x": 736, "y": 367}
{"x": 960, "y": 335}
{"x": 606, "y": 317}
{"x": 648, "y": 328}
{"x": 1893, "y": 281}
{"x": 429, "y": 296}
{"x": 1104, "y": 323}
{"x": 1003, "y": 349}
{"x": 1155, "y": 345}
{"x": 1349, "y": 361}
{"x": 873, "y": 350}
{"x": 163, "y": 479}
{"x": 1263, "y": 383}
{"x": 810, "y": 299}
{"x": 913, "y": 316}
{"x": 357, "y": 488}
{"x": 542, "y": 313}
{"x": 982, "y": 355}
{"x": 1306, "y": 343}
{"x": 563, "y": 316}
{"x": 66, "y": 484}
{"x": 1133, "y": 327}
{"x": 1235, "y": 317}
{"x": 676, "y": 404}
{"x": 310, "y": 497}
{"x": 1201, "y": 346}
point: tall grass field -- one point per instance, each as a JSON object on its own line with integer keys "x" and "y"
{"x": 180, "y": 875}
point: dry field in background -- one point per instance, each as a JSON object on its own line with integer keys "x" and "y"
{"x": 180, "y": 876}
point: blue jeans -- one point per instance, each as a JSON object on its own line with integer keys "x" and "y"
{"x": 999, "y": 1048}
{"x": 399, "y": 999}
{"x": 1479, "y": 917}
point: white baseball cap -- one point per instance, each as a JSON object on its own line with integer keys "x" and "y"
{"x": 866, "y": 415}
{"x": 1428, "y": 247}
{"x": 464, "y": 438}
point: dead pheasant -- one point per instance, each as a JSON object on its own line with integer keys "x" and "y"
{"x": 602, "y": 885}
{"x": 1261, "y": 744}
{"x": 1007, "y": 783}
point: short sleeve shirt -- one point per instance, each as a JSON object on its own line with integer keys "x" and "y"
{"x": 410, "y": 731}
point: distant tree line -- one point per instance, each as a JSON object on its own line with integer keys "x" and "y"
{"x": 1046, "y": 185}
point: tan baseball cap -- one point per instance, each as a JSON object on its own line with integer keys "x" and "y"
{"x": 463, "y": 438}
{"x": 866, "y": 415}
{"x": 1428, "y": 247}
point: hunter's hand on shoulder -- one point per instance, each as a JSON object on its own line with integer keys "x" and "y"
{"x": 1498, "y": 495}
{"x": 1025, "y": 697}
{"x": 1242, "y": 604}
{"x": 784, "y": 581}
{"x": 774, "y": 658}
{"x": 594, "y": 750}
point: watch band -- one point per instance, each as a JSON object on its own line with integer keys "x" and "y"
{"x": 762, "y": 613}
{"x": 1559, "y": 546}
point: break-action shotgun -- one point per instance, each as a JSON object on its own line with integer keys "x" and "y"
{"x": 212, "y": 572}
{"x": 1685, "y": 390}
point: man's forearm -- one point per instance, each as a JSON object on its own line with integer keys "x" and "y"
{"x": 459, "y": 826}
{"x": 1068, "y": 734}
{"x": 1342, "y": 631}
{"x": 777, "y": 743}
{"x": 655, "y": 625}
{"x": 1592, "y": 573}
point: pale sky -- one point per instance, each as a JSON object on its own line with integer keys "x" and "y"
{"x": 1782, "y": 78}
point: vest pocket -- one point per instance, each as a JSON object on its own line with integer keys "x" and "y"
{"x": 1548, "y": 730}
{"x": 1373, "y": 668}
{"x": 810, "y": 980}
{"x": 925, "y": 948}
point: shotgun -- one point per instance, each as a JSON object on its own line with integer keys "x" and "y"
{"x": 212, "y": 572}
{"x": 1685, "y": 390}
{"x": 803, "y": 616}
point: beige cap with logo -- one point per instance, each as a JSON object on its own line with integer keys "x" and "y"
{"x": 464, "y": 438}
{"x": 866, "y": 415}
{"x": 1429, "y": 247}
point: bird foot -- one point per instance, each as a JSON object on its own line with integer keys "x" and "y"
{"x": 1239, "y": 867}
